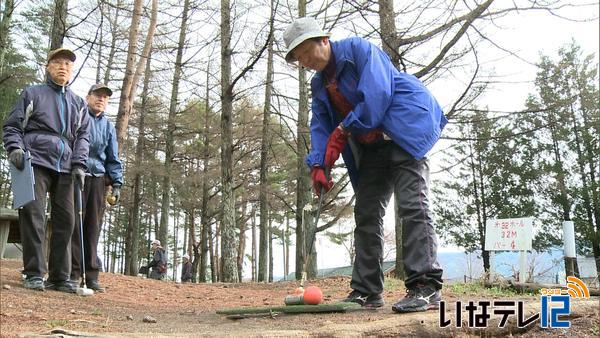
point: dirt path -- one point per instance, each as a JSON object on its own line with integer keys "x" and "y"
{"x": 189, "y": 310}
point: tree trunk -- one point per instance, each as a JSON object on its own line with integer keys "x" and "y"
{"x": 302, "y": 146}
{"x": 242, "y": 242}
{"x": 169, "y": 137}
{"x": 59, "y": 24}
{"x": 270, "y": 279}
{"x": 114, "y": 30}
{"x": 228, "y": 246}
{"x": 132, "y": 72}
{"x": 389, "y": 38}
{"x": 264, "y": 158}
{"x": 204, "y": 220}
{"x": 254, "y": 265}
{"x": 286, "y": 247}
{"x": 133, "y": 229}
{"x": 7, "y": 13}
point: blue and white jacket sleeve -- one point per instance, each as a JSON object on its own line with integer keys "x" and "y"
{"x": 113, "y": 164}
{"x": 13, "y": 126}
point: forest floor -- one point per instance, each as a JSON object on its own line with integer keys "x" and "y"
{"x": 189, "y": 310}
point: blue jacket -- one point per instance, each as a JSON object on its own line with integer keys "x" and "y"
{"x": 104, "y": 151}
{"x": 383, "y": 97}
{"x": 51, "y": 122}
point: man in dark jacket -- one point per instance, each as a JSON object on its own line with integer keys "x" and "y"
{"x": 51, "y": 123}
{"x": 103, "y": 161}
{"x": 186, "y": 269}
{"x": 159, "y": 261}
{"x": 383, "y": 122}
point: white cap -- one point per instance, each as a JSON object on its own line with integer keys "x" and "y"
{"x": 299, "y": 31}
{"x": 186, "y": 256}
{"x": 156, "y": 241}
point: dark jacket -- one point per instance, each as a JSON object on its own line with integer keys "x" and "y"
{"x": 104, "y": 150}
{"x": 159, "y": 258}
{"x": 52, "y": 123}
{"x": 382, "y": 98}
{"x": 186, "y": 272}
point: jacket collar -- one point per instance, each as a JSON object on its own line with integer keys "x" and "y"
{"x": 55, "y": 85}
{"x": 92, "y": 114}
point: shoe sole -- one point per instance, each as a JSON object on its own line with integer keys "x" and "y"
{"x": 35, "y": 288}
{"x": 416, "y": 309}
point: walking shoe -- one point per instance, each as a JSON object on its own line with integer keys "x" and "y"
{"x": 62, "y": 286}
{"x": 34, "y": 283}
{"x": 364, "y": 300}
{"x": 94, "y": 285}
{"x": 419, "y": 298}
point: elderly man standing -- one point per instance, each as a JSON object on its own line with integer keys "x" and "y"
{"x": 159, "y": 261}
{"x": 52, "y": 123}
{"x": 383, "y": 122}
{"x": 103, "y": 165}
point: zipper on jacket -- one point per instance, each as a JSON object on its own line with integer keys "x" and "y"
{"x": 61, "y": 114}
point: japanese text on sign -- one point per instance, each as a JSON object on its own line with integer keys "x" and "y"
{"x": 508, "y": 234}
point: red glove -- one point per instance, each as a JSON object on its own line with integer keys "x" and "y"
{"x": 335, "y": 144}
{"x": 319, "y": 180}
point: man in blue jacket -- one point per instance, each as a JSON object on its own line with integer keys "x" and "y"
{"x": 383, "y": 123}
{"x": 103, "y": 165}
{"x": 52, "y": 123}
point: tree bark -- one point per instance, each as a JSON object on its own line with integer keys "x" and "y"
{"x": 7, "y": 13}
{"x": 133, "y": 229}
{"x": 264, "y": 158}
{"x": 228, "y": 236}
{"x": 59, "y": 24}
{"x": 133, "y": 72}
{"x": 302, "y": 146}
{"x": 388, "y": 34}
{"x": 204, "y": 219}
{"x": 169, "y": 137}
{"x": 114, "y": 30}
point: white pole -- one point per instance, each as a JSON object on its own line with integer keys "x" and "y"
{"x": 569, "y": 239}
{"x": 523, "y": 268}
{"x": 491, "y": 277}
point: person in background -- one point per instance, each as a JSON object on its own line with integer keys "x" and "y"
{"x": 384, "y": 122}
{"x": 103, "y": 165}
{"x": 51, "y": 123}
{"x": 159, "y": 261}
{"x": 186, "y": 269}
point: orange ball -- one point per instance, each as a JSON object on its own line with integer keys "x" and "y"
{"x": 313, "y": 295}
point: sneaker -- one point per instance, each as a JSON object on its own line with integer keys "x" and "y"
{"x": 419, "y": 298}
{"x": 62, "y": 286}
{"x": 34, "y": 283}
{"x": 364, "y": 300}
{"x": 94, "y": 285}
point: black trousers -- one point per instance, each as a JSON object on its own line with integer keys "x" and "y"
{"x": 386, "y": 168}
{"x": 32, "y": 223}
{"x": 93, "y": 199}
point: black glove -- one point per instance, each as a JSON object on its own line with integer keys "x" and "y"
{"x": 78, "y": 175}
{"x": 116, "y": 193}
{"x": 16, "y": 158}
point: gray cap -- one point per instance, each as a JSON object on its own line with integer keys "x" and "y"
{"x": 61, "y": 52}
{"x": 98, "y": 87}
{"x": 300, "y": 31}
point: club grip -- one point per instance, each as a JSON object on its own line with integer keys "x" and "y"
{"x": 294, "y": 300}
